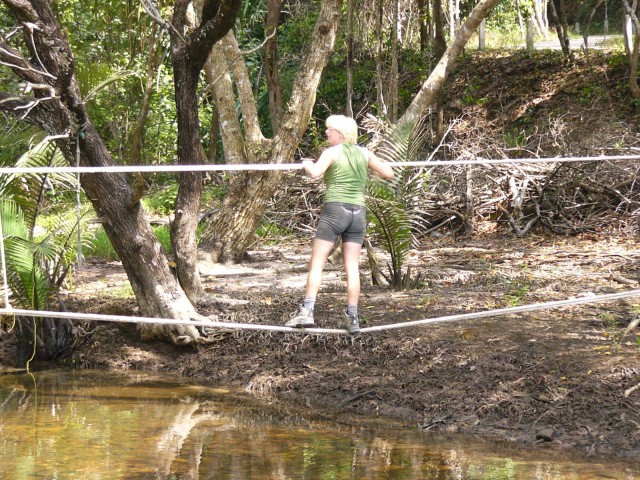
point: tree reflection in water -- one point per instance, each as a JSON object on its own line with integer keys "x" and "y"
{"x": 96, "y": 425}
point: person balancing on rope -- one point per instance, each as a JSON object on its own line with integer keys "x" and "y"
{"x": 345, "y": 168}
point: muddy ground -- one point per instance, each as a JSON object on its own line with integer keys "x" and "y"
{"x": 564, "y": 377}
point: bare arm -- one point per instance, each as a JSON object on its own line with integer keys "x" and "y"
{"x": 379, "y": 166}
{"x": 317, "y": 168}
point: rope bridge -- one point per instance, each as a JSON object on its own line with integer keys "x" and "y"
{"x": 9, "y": 311}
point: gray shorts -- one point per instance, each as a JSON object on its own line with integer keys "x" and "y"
{"x": 342, "y": 220}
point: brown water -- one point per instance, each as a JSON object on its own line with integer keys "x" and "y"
{"x": 96, "y": 425}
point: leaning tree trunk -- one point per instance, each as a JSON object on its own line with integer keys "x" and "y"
{"x": 440, "y": 73}
{"x": 57, "y": 107}
{"x": 230, "y": 232}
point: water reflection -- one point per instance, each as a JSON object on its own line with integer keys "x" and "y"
{"x": 97, "y": 425}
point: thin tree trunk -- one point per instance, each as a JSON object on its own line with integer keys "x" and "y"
{"x": 271, "y": 66}
{"x": 633, "y": 73}
{"x": 632, "y": 10}
{"x": 520, "y": 20}
{"x": 559, "y": 19}
{"x": 393, "y": 77}
{"x": 452, "y": 19}
{"x": 133, "y": 152}
{"x": 440, "y": 48}
{"x": 349, "y": 106}
{"x": 383, "y": 110}
{"x": 424, "y": 21}
{"x": 469, "y": 224}
{"x": 440, "y": 42}
{"x": 585, "y": 33}
{"x": 538, "y": 7}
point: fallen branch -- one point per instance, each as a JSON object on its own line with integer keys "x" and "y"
{"x": 355, "y": 397}
{"x": 620, "y": 279}
{"x": 631, "y": 327}
{"x": 629, "y": 391}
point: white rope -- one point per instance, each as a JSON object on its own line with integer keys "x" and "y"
{"x": 272, "y": 328}
{"x": 8, "y": 310}
{"x": 298, "y": 166}
{"x": 509, "y": 310}
{"x": 157, "y": 321}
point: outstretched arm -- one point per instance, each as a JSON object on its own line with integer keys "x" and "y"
{"x": 317, "y": 168}
{"x": 379, "y": 166}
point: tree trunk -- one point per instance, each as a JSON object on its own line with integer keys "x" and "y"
{"x": 271, "y": 66}
{"x": 538, "y": 7}
{"x": 634, "y": 52}
{"x": 393, "y": 76}
{"x": 440, "y": 42}
{"x": 633, "y": 71}
{"x": 133, "y": 153}
{"x": 380, "y": 93}
{"x": 559, "y": 17}
{"x": 58, "y": 109}
{"x": 349, "y": 106}
{"x": 469, "y": 223}
{"x": 585, "y": 33}
{"x": 440, "y": 73}
{"x": 424, "y": 21}
{"x": 230, "y": 232}
{"x": 189, "y": 56}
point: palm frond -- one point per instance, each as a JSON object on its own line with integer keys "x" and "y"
{"x": 395, "y": 206}
{"x": 29, "y": 286}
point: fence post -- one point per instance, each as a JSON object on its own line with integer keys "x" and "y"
{"x": 481, "y": 35}
{"x": 530, "y": 35}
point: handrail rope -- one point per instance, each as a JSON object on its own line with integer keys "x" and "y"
{"x": 298, "y": 166}
{"x": 249, "y": 326}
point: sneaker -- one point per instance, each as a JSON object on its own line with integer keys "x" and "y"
{"x": 304, "y": 318}
{"x": 351, "y": 324}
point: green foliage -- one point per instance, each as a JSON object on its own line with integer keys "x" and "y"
{"x": 272, "y": 233}
{"x": 471, "y": 95}
{"x": 99, "y": 245}
{"x": 111, "y": 42}
{"x": 518, "y": 290}
{"x": 503, "y": 17}
{"x": 164, "y": 236}
{"x": 395, "y": 206}
{"x": 27, "y": 281}
{"x": 162, "y": 201}
{"x": 40, "y": 235}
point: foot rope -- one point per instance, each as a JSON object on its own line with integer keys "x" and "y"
{"x": 275, "y": 328}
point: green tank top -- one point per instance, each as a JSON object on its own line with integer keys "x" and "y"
{"x": 346, "y": 179}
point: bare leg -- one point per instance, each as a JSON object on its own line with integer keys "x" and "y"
{"x": 351, "y": 255}
{"x": 320, "y": 250}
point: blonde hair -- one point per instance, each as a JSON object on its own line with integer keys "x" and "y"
{"x": 347, "y": 126}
